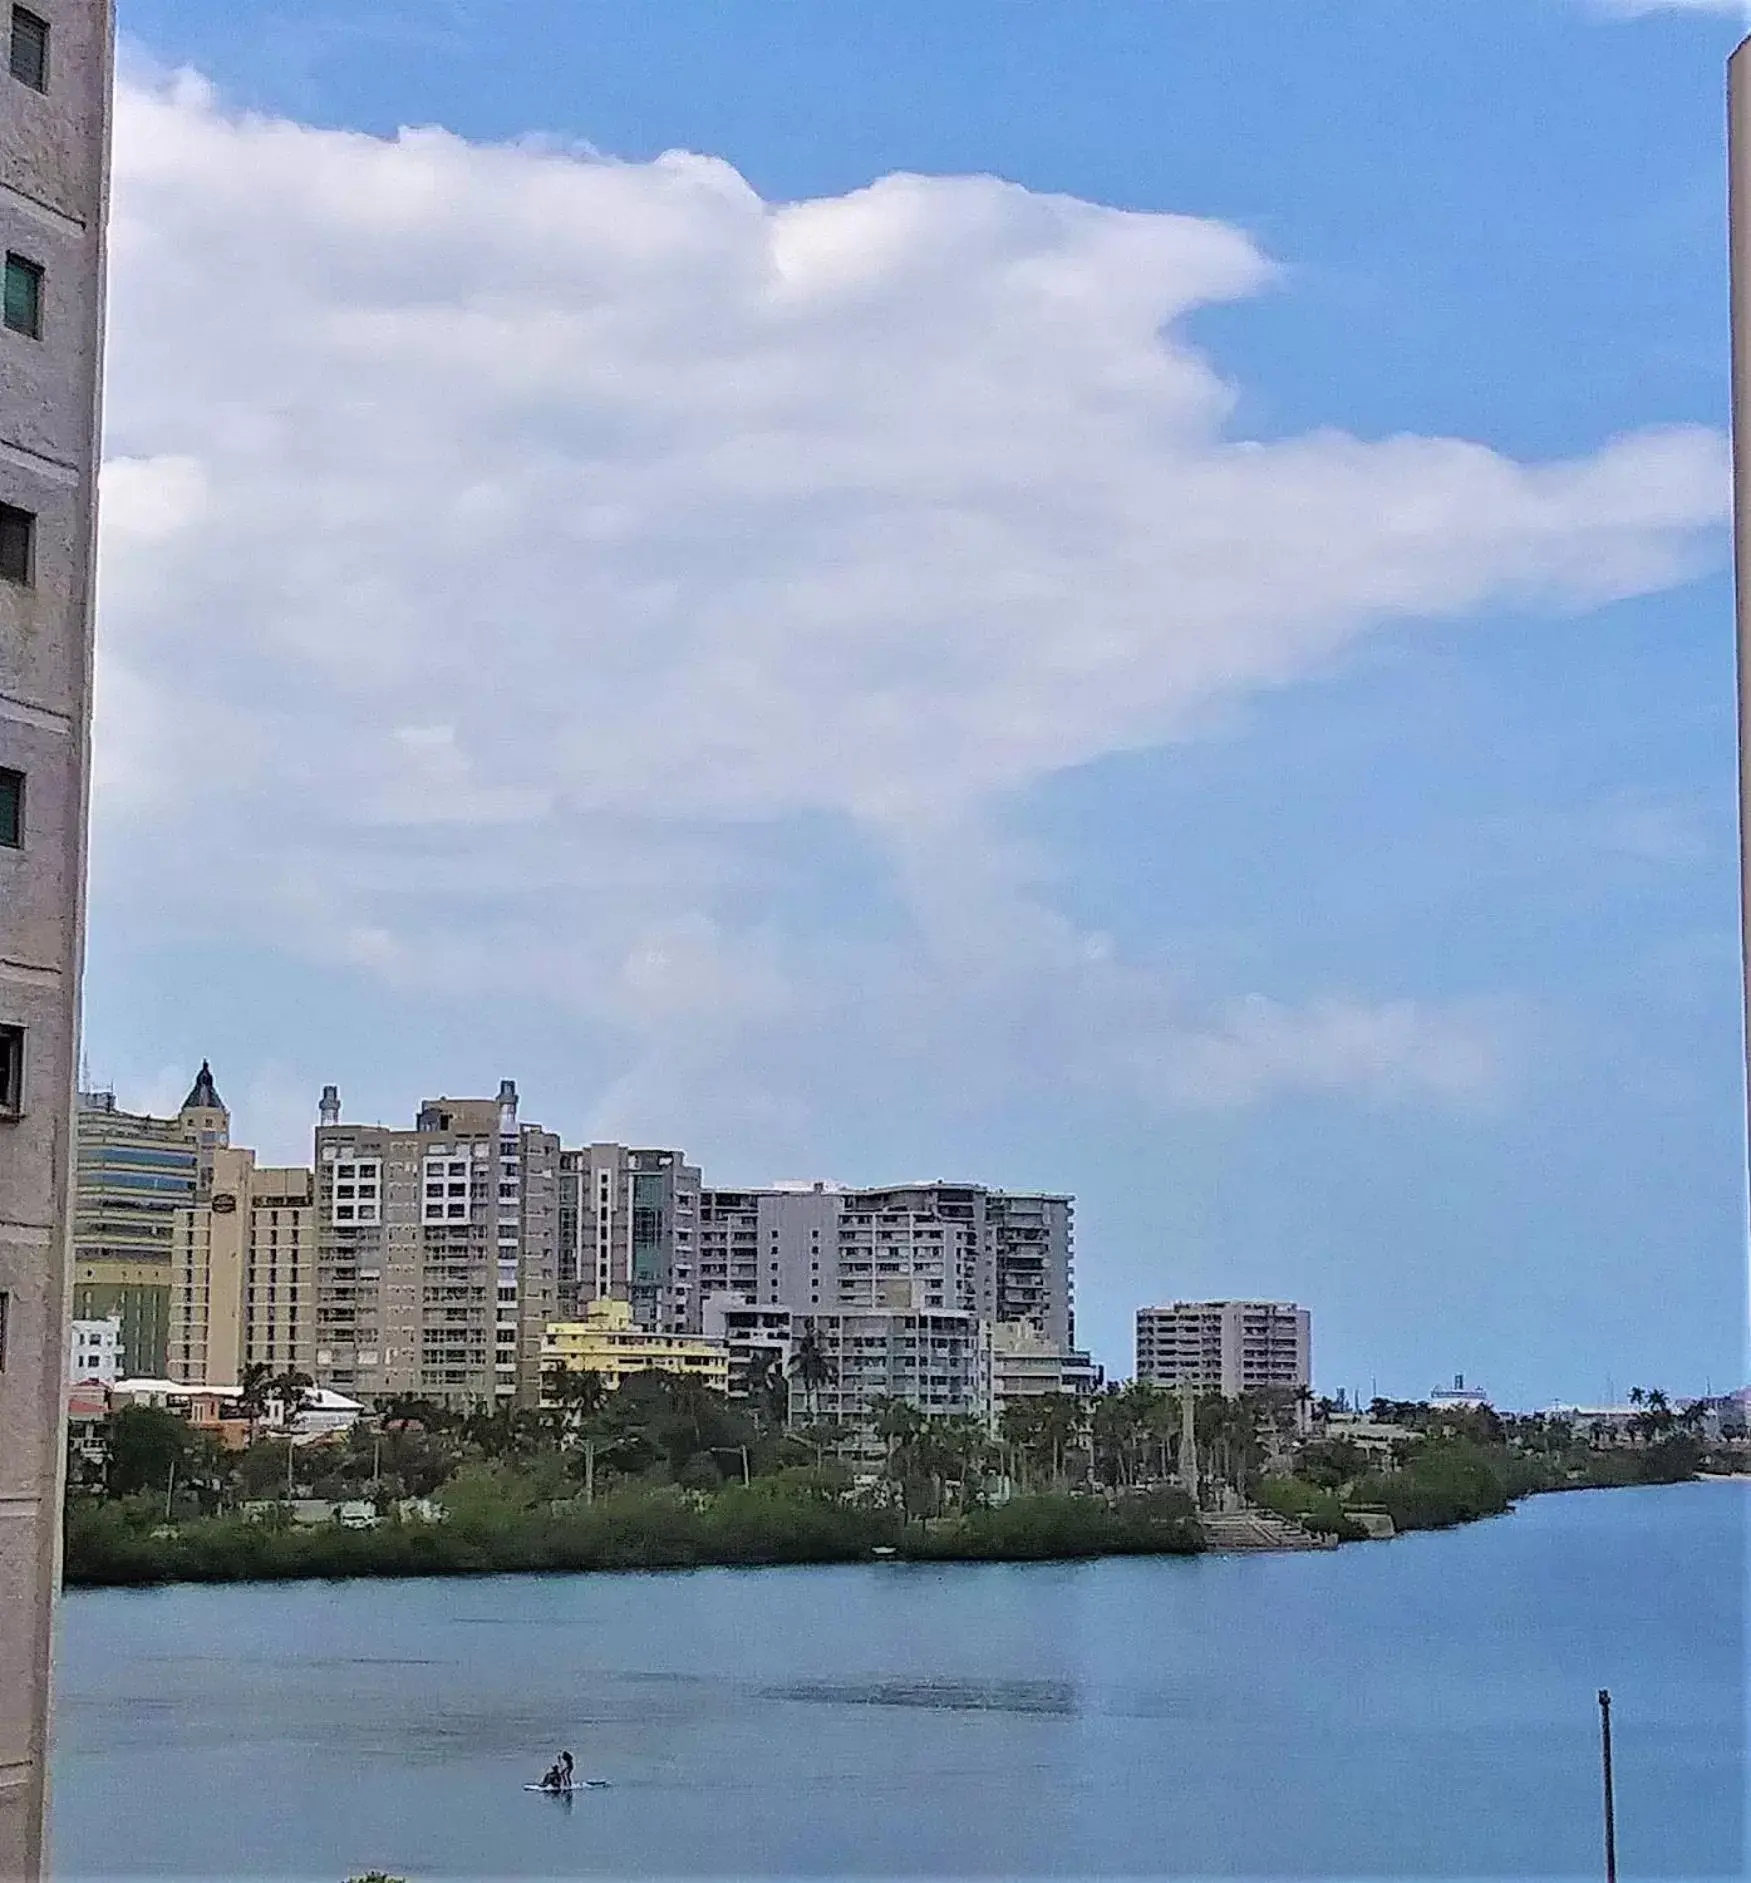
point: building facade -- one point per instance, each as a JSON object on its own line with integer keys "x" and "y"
{"x": 54, "y": 165}
{"x": 608, "y": 1342}
{"x": 1003, "y": 1256}
{"x": 628, "y": 1227}
{"x": 1026, "y": 1365}
{"x": 133, "y": 1176}
{"x": 436, "y": 1252}
{"x": 243, "y": 1274}
{"x": 759, "y": 1341}
{"x": 95, "y": 1351}
{"x": 1230, "y": 1347}
{"x": 936, "y": 1360}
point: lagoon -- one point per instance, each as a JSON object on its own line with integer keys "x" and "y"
{"x": 1416, "y": 1709}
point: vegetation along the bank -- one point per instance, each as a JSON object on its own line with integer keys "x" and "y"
{"x": 665, "y": 1474}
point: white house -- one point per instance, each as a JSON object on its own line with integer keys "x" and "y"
{"x": 95, "y": 1351}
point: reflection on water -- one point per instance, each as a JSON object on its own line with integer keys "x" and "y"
{"x": 944, "y": 1696}
{"x": 1410, "y": 1710}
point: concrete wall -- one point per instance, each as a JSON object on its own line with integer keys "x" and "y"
{"x": 53, "y": 171}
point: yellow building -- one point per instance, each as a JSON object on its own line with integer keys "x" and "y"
{"x": 608, "y": 1343}
{"x": 243, "y": 1274}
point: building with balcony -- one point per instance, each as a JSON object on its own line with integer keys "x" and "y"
{"x": 1026, "y": 1365}
{"x": 608, "y": 1342}
{"x": 628, "y": 1231}
{"x": 436, "y": 1252}
{"x": 1228, "y": 1347}
{"x": 937, "y": 1360}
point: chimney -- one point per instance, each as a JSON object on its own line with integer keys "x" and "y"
{"x": 330, "y": 1110}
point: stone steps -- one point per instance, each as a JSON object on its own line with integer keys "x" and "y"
{"x": 1233, "y": 1531}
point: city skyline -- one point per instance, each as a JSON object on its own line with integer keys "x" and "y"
{"x": 1258, "y": 757}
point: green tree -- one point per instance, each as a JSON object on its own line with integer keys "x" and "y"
{"x": 811, "y": 1369}
{"x": 145, "y": 1446}
{"x": 255, "y": 1386}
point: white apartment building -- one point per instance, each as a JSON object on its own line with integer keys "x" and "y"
{"x": 436, "y": 1252}
{"x": 1002, "y": 1256}
{"x": 55, "y": 86}
{"x": 1231, "y": 1347}
{"x": 938, "y": 1361}
{"x": 95, "y": 1351}
{"x": 754, "y": 1338}
{"x": 1026, "y": 1365}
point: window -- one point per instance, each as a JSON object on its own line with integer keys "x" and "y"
{"x": 11, "y": 1071}
{"x": 17, "y": 545}
{"x": 11, "y": 809}
{"x": 30, "y": 49}
{"x": 23, "y": 306}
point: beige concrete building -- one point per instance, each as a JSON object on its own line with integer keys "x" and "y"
{"x": 243, "y": 1274}
{"x": 1228, "y": 1347}
{"x": 54, "y": 163}
{"x": 436, "y": 1257}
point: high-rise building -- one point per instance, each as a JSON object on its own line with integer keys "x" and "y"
{"x": 1000, "y": 1255}
{"x": 54, "y": 167}
{"x": 243, "y": 1273}
{"x": 1228, "y": 1347}
{"x": 133, "y": 1175}
{"x": 437, "y": 1252}
{"x": 628, "y": 1225}
{"x": 1026, "y": 1365}
{"x": 937, "y": 1360}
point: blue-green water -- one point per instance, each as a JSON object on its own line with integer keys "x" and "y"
{"x": 1423, "y": 1708}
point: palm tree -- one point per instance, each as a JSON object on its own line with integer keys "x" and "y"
{"x": 1061, "y": 1423}
{"x": 810, "y": 1368}
{"x": 767, "y": 1392}
{"x": 255, "y": 1386}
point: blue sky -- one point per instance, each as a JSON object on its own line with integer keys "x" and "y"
{"x": 885, "y": 723}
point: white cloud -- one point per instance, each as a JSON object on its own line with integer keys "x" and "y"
{"x": 521, "y": 539}
{"x": 1636, "y": 9}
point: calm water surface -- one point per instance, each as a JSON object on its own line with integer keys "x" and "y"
{"x": 1423, "y": 1708}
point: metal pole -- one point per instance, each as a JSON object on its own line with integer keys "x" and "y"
{"x": 1610, "y": 1802}
{"x": 589, "y": 1471}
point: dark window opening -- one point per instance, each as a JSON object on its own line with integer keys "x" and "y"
{"x": 11, "y": 809}
{"x": 30, "y": 49}
{"x": 17, "y": 545}
{"x": 11, "y": 1071}
{"x": 24, "y": 296}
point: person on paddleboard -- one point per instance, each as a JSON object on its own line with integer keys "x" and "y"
{"x": 565, "y": 1768}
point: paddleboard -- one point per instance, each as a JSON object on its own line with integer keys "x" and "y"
{"x": 564, "y": 1791}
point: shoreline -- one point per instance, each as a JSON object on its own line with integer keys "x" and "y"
{"x": 223, "y": 1551}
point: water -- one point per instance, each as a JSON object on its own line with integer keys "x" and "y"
{"x": 1423, "y": 1708}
